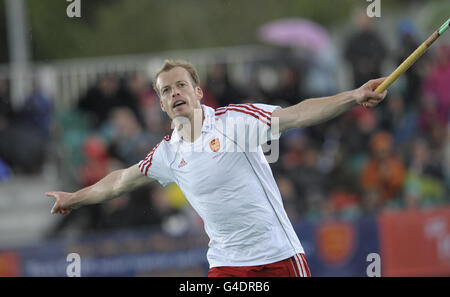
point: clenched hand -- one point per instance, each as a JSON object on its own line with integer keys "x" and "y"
{"x": 366, "y": 95}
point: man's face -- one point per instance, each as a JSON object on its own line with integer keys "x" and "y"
{"x": 179, "y": 97}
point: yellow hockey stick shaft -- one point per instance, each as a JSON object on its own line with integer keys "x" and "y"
{"x": 407, "y": 63}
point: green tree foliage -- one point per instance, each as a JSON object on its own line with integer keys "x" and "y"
{"x": 112, "y": 27}
{"x": 115, "y": 27}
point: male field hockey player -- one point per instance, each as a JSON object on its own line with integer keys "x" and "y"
{"x": 216, "y": 159}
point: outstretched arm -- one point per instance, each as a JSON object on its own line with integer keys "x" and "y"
{"x": 111, "y": 186}
{"x": 317, "y": 110}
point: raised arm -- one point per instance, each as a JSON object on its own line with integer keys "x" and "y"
{"x": 111, "y": 186}
{"x": 317, "y": 110}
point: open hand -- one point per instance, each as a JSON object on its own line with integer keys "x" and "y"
{"x": 366, "y": 95}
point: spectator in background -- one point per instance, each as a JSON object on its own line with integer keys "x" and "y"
{"x": 121, "y": 214}
{"x": 431, "y": 123}
{"x": 292, "y": 67}
{"x": 96, "y": 160}
{"x": 321, "y": 79}
{"x": 293, "y": 144}
{"x": 219, "y": 86}
{"x": 289, "y": 85}
{"x": 123, "y": 142}
{"x": 109, "y": 93}
{"x": 342, "y": 177}
{"x": 129, "y": 142}
{"x": 428, "y": 114}
{"x": 171, "y": 219}
{"x": 344, "y": 198}
{"x": 35, "y": 120}
{"x": 436, "y": 84}
{"x": 364, "y": 50}
{"x": 446, "y": 159}
{"x": 401, "y": 122}
{"x": 24, "y": 134}
{"x": 155, "y": 121}
{"x": 99, "y": 99}
{"x": 383, "y": 175}
{"x": 134, "y": 210}
{"x": 300, "y": 164}
{"x": 407, "y": 36}
{"x": 6, "y": 117}
{"x": 36, "y": 111}
{"x": 318, "y": 207}
{"x": 131, "y": 93}
{"x": 364, "y": 122}
{"x": 291, "y": 197}
{"x": 424, "y": 184}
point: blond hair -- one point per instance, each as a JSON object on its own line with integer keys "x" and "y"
{"x": 170, "y": 64}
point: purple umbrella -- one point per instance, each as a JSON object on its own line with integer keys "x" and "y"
{"x": 295, "y": 33}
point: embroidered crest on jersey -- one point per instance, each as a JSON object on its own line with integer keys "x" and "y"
{"x": 215, "y": 145}
{"x": 182, "y": 163}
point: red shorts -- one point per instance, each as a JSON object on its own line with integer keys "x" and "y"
{"x": 294, "y": 266}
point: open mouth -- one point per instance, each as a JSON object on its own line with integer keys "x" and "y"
{"x": 178, "y": 103}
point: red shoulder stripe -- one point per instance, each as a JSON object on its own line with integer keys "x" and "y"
{"x": 147, "y": 162}
{"x": 260, "y": 109}
{"x": 243, "y": 111}
{"x": 254, "y": 109}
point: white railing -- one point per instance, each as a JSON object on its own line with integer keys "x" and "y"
{"x": 66, "y": 80}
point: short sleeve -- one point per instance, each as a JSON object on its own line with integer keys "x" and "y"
{"x": 263, "y": 126}
{"x": 156, "y": 166}
{"x": 250, "y": 124}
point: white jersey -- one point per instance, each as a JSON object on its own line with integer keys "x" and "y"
{"x": 227, "y": 180}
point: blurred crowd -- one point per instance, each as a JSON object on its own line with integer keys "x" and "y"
{"x": 396, "y": 155}
{"x": 24, "y": 132}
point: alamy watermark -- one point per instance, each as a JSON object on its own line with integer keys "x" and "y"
{"x": 374, "y": 8}
{"x": 74, "y": 9}
{"x": 73, "y": 269}
{"x": 374, "y": 268}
